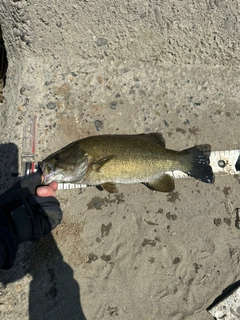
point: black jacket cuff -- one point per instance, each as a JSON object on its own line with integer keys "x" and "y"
{"x": 8, "y": 248}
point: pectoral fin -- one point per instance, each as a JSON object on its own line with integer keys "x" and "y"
{"x": 101, "y": 162}
{"x": 163, "y": 184}
{"x": 110, "y": 187}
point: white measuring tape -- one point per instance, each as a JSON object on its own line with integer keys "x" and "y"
{"x": 222, "y": 163}
{"x": 71, "y": 186}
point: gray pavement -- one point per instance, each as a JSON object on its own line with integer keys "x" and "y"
{"x": 104, "y": 67}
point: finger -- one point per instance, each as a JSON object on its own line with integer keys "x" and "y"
{"x": 46, "y": 191}
{"x": 53, "y": 185}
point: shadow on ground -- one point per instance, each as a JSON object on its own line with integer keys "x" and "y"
{"x": 54, "y": 293}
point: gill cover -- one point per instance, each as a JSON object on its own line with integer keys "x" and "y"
{"x": 66, "y": 165}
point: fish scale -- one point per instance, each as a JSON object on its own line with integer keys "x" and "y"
{"x": 222, "y": 162}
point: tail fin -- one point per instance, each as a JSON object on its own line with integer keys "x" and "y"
{"x": 199, "y": 158}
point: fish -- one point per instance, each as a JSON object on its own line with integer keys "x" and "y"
{"x": 108, "y": 160}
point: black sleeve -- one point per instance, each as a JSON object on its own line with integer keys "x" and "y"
{"x": 8, "y": 248}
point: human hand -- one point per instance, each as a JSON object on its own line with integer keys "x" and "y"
{"x": 47, "y": 191}
{"x": 27, "y": 215}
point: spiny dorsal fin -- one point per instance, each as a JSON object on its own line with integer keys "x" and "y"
{"x": 164, "y": 183}
{"x": 101, "y": 162}
{"x": 110, "y": 187}
{"x": 155, "y": 137}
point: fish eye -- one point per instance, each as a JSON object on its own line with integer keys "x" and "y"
{"x": 57, "y": 156}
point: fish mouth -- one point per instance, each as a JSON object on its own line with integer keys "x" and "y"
{"x": 44, "y": 167}
{"x": 41, "y": 166}
{"x": 47, "y": 171}
{"x": 50, "y": 173}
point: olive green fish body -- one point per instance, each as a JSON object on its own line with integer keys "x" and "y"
{"x": 131, "y": 159}
{"x": 109, "y": 159}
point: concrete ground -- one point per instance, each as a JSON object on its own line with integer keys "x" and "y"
{"x": 103, "y": 67}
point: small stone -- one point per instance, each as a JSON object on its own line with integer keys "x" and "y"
{"x": 92, "y": 257}
{"x": 113, "y": 105}
{"x": 227, "y": 221}
{"x": 176, "y": 260}
{"x": 25, "y": 90}
{"x": 217, "y": 221}
{"x": 16, "y": 32}
{"x": 148, "y": 242}
{"x": 100, "y": 79}
{"x": 166, "y": 123}
{"x": 101, "y": 42}
{"x": 106, "y": 257}
{"x": 98, "y": 125}
{"x": 51, "y": 105}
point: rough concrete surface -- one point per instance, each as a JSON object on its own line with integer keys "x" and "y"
{"x": 228, "y": 308}
{"x": 93, "y": 67}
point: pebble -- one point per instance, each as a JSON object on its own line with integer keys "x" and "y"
{"x": 51, "y": 105}
{"x": 59, "y": 24}
{"x": 237, "y": 221}
{"x": 16, "y": 32}
{"x": 101, "y": 42}
{"x": 166, "y": 123}
{"x": 113, "y": 105}
{"x": 98, "y": 125}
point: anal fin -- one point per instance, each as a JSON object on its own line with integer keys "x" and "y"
{"x": 164, "y": 183}
{"x": 110, "y": 187}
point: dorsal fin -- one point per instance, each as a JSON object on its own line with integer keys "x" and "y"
{"x": 154, "y": 137}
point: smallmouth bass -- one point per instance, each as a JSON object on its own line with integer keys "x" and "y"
{"x": 107, "y": 160}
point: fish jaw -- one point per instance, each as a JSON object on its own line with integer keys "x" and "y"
{"x": 48, "y": 178}
{"x": 51, "y": 173}
{"x": 69, "y": 164}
